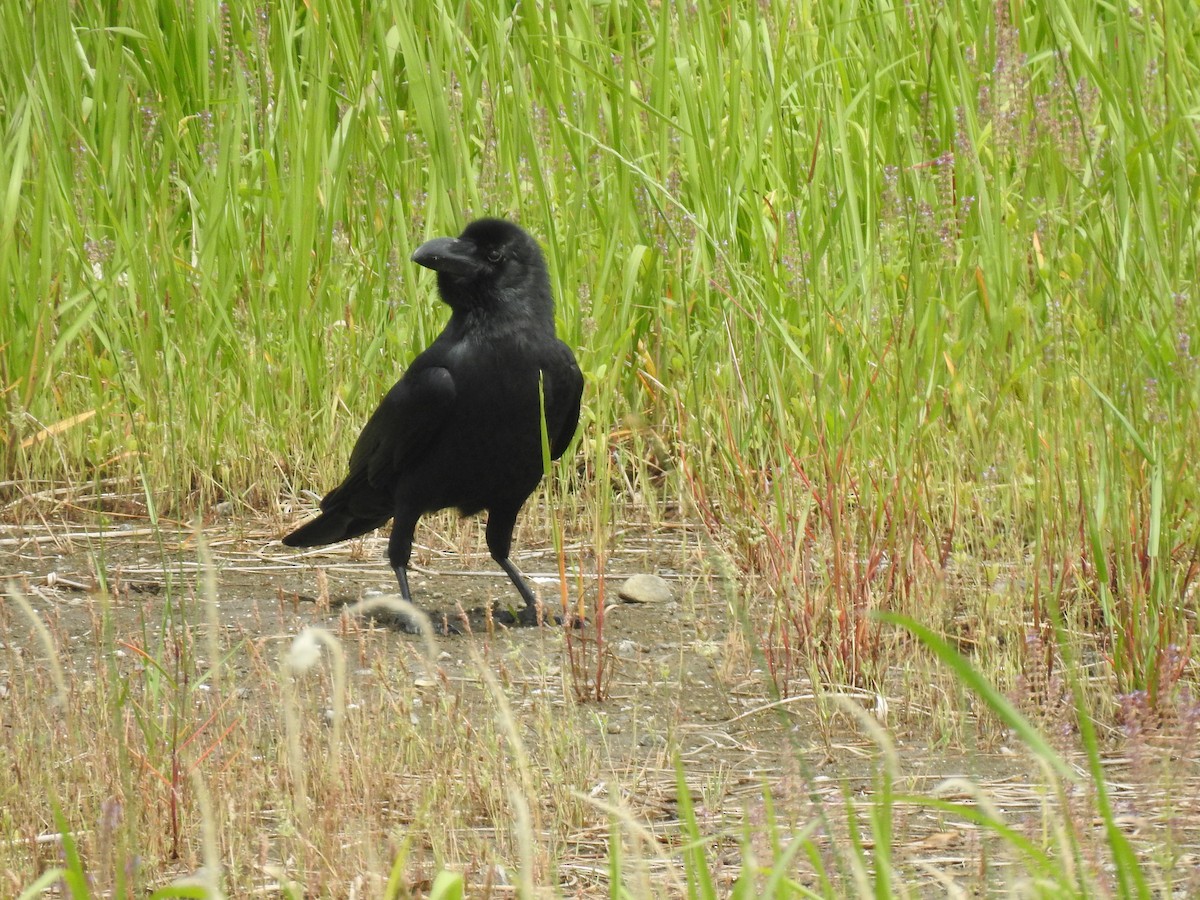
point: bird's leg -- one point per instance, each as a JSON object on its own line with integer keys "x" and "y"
{"x": 407, "y": 620}
{"x": 399, "y": 552}
{"x": 530, "y": 615}
{"x": 402, "y": 577}
{"x": 499, "y": 541}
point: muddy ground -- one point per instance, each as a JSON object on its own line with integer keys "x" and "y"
{"x": 677, "y": 675}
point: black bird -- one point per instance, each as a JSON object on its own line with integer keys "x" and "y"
{"x": 463, "y": 426}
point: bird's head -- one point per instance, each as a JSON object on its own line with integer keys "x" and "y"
{"x": 493, "y": 267}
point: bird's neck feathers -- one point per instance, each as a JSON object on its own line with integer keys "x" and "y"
{"x": 496, "y": 308}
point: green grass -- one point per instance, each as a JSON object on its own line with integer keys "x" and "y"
{"x": 891, "y": 297}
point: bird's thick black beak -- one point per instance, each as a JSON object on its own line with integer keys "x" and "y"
{"x": 452, "y": 256}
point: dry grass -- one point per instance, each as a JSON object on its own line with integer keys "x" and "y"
{"x": 478, "y": 757}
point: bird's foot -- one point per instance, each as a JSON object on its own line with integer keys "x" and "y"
{"x": 571, "y": 621}
{"x": 445, "y": 626}
{"x": 408, "y": 623}
{"x": 532, "y": 617}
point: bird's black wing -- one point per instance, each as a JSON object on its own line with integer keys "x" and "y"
{"x": 406, "y": 422}
{"x": 567, "y": 391}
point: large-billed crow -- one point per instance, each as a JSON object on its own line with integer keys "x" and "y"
{"x": 463, "y": 427}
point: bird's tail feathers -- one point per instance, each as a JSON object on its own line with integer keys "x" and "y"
{"x": 329, "y": 528}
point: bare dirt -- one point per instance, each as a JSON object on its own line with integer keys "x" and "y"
{"x": 676, "y": 677}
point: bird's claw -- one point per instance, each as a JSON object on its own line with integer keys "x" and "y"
{"x": 532, "y": 616}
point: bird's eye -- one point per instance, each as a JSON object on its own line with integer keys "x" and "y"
{"x": 494, "y": 256}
